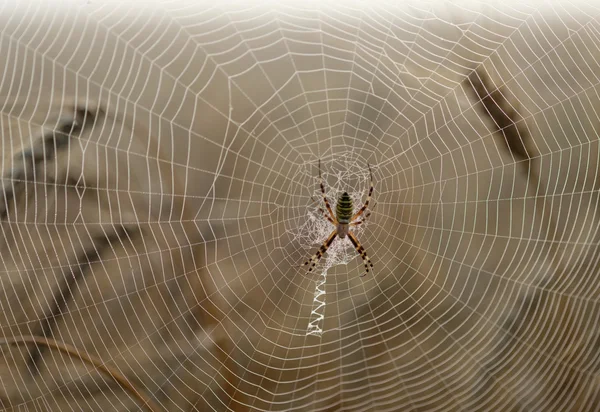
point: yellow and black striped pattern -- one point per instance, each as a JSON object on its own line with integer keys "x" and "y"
{"x": 344, "y": 207}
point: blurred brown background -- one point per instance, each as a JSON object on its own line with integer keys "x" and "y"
{"x": 217, "y": 115}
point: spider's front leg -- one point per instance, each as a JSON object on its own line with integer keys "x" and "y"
{"x": 362, "y": 209}
{"x": 317, "y": 256}
{"x": 327, "y": 205}
{"x": 324, "y": 213}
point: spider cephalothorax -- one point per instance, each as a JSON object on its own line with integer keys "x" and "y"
{"x": 343, "y": 220}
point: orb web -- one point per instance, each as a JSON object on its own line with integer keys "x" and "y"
{"x": 158, "y": 164}
{"x": 316, "y": 228}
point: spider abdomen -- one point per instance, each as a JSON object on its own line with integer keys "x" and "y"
{"x": 344, "y": 208}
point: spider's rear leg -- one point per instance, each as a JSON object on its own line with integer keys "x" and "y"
{"x": 361, "y": 251}
{"x": 43, "y": 149}
{"x": 317, "y": 256}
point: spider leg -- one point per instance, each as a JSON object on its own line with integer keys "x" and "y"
{"x": 317, "y": 256}
{"x": 362, "y": 209}
{"x": 365, "y": 217}
{"x": 361, "y": 251}
{"x": 327, "y": 205}
{"x": 333, "y": 222}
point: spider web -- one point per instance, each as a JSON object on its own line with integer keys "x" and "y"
{"x": 484, "y": 294}
{"x": 316, "y": 229}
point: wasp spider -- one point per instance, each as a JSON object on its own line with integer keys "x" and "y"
{"x": 343, "y": 220}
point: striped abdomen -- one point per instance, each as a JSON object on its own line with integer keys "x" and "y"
{"x": 344, "y": 207}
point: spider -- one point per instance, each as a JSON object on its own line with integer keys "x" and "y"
{"x": 342, "y": 221}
